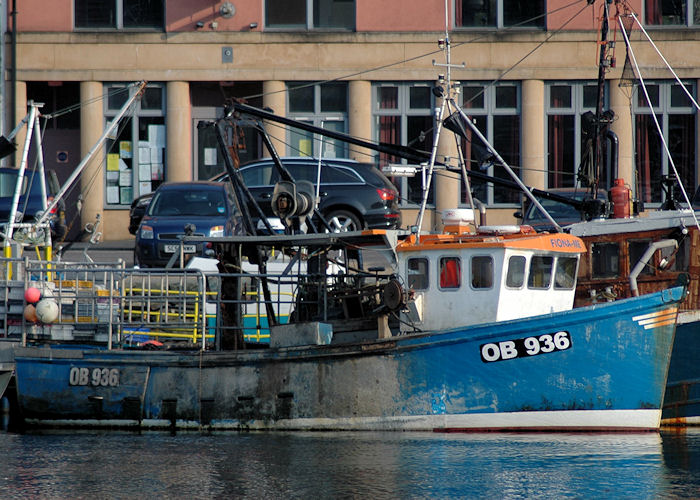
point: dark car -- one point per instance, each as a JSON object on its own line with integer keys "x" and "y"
{"x": 353, "y": 195}
{"x": 30, "y": 205}
{"x": 200, "y": 209}
{"x": 563, "y": 213}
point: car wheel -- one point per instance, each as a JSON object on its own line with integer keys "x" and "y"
{"x": 342, "y": 220}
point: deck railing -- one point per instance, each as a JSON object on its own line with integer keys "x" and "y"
{"x": 110, "y": 305}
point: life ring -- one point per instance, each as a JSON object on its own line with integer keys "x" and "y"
{"x": 506, "y": 229}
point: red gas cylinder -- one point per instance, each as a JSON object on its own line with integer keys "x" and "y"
{"x": 621, "y": 198}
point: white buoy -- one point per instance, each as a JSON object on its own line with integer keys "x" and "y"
{"x": 47, "y": 310}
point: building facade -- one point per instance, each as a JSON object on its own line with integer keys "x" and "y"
{"x": 362, "y": 67}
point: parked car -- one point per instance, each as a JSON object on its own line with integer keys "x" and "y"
{"x": 564, "y": 214}
{"x": 30, "y": 205}
{"x": 353, "y": 195}
{"x": 201, "y": 209}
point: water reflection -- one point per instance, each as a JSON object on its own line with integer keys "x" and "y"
{"x": 356, "y": 464}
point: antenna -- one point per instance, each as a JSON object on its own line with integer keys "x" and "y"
{"x": 458, "y": 122}
{"x": 446, "y": 90}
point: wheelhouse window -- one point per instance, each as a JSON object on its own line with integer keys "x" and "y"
{"x": 605, "y": 260}
{"x": 495, "y": 110}
{"x": 540, "y": 275}
{"x": 482, "y": 272}
{"x": 677, "y": 259}
{"x": 418, "y": 274}
{"x": 323, "y": 105}
{"x": 403, "y": 114}
{"x": 450, "y": 272}
{"x": 135, "y": 163}
{"x": 499, "y": 13}
{"x": 310, "y": 14}
{"x": 566, "y": 103}
{"x": 671, "y": 13}
{"x": 120, "y": 14}
{"x": 677, "y": 120}
{"x": 515, "y": 277}
{"x": 565, "y": 273}
{"x": 636, "y": 250}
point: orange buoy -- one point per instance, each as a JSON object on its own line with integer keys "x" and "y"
{"x": 30, "y": 313}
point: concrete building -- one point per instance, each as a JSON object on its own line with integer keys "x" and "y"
{"x": 364, "y": 67}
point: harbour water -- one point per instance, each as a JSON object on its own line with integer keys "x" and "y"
{"x": 349, "y": 465}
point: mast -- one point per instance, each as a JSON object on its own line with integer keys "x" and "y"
{"x": 603, "y": 63}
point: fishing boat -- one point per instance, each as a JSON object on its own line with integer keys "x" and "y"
{"x": 469, "y": 329}
{"x": 632, "y": 253}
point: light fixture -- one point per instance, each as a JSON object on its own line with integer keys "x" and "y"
{"x": 227, "y": 10}
{"x": 199, "y": 25}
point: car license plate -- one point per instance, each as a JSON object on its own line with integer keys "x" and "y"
{"x": 176, "y": 248}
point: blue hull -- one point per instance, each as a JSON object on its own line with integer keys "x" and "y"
{"x": 602, "y": 367}
{"x": 682, "y": 398}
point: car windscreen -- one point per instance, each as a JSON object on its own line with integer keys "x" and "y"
{"x": 174, "y": 202}
{"x": 558, "y": 210}
{"x": 8, "y": 182}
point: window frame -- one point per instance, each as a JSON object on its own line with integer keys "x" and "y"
{"x": 318, "y": 117}
{"x": 604, "y": 257}
{"x": 664, "y": 110}
{"x": 449, "y": 286}
{"x": 403, "y": 111}
{"x": 500, "y": 18}
{"x": 535, "y": 270}
{"x": 309, "y": 19}
{"x": 114, "y": 147}
{"x": 473, "y": 268}
{"x": 425, "y": 278}
{"x": 691, "y": 12}
{"x": 118, "y": 24}
{"x": 510, "y": 272}
{"x": 576, "y": 109}
{"x": 490, "y": 110}
{"x": 561, "y": 272}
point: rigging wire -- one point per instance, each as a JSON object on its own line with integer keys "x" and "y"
{"x": 73, "y": 107}
{"x": 633, "y": 59}
{"x": 429, "y": 54}
{"x": 477, "y": 38}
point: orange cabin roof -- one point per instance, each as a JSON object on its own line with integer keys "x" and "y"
{"x": 526, "y": 238}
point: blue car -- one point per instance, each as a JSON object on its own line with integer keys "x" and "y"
{"x": 30, "y": 205}
{"x": 200, "y": 209}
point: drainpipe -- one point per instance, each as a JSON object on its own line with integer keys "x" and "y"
{"x": 614, "y": 148}
{"x": 643, "y": 262}
{"x": 482, "y": 211}
{"x": 3, "y": 60}
{"x": 13, "y": 80}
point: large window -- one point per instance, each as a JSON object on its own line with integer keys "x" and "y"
{"x": 310, "y": 14}
{"x": 418, "y": 273}
{"x": 566, "y": 104}
{"x": 135, "y": 163}
{"x": 323, "y": 105}
{"x": 120, "y": 14}
{"x": 403, "y": 114}
{"x": 499, "y": 13}
{"x": 676, "y": 117}
{"x": 495, "y": 110}
{"x": 672, "y": 13}
{"x": 450, "y": 272}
